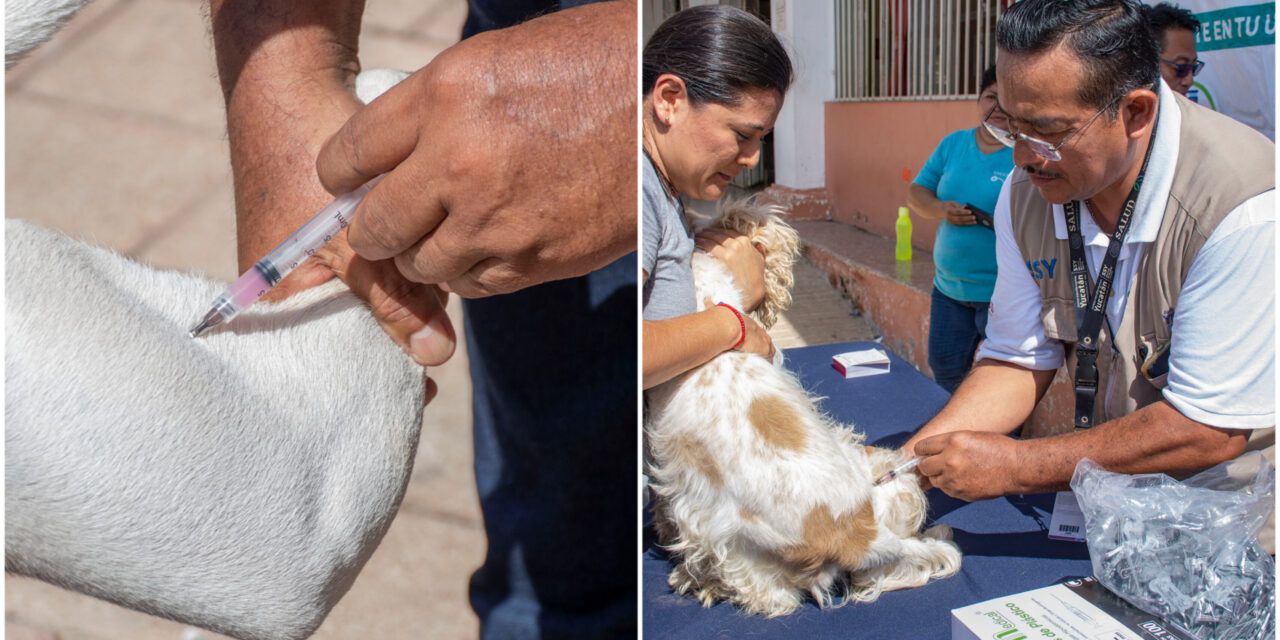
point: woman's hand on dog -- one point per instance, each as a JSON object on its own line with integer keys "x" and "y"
{"x": 743, "y": 259}
{"x": 510, "y": 158}
{"x": 755, "y": 339}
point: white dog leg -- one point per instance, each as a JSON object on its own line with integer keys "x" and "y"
{"x": 237, "y": 482}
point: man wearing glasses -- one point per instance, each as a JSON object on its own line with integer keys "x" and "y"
{"x": 1134, "y": 245}
{"x": 1174, "y": 29}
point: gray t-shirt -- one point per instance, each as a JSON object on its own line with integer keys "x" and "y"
{"x": 668, "y": 245}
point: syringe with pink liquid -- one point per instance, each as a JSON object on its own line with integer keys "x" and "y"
{"x": 258, "y": 280}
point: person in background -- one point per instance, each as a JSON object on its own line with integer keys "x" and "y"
{"x": 714, "y": 79}
{"x": 968, "y": 167}
{"x": 1174, "y": 30}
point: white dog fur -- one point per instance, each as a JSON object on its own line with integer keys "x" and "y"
{"x": 236, "y": 482}
{"x": 28, "y": 23}
{"x": 762, "y": 499}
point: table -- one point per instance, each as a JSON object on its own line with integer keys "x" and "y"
{"x": 1005, "y": 543}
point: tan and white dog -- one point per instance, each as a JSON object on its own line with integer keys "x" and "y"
{"x": 762, "y": 499}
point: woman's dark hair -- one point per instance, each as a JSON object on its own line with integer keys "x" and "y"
{"x": 718, "y": 51}
{"x": 988, "y": 79}
{"x": 1109, "y": 36}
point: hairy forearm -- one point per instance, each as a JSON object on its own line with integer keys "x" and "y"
{"x": 672, "y": 347}
{"x": 1154, "y": 439}
{"x": 996, "y": 397}
{"x": 287, "y": 68}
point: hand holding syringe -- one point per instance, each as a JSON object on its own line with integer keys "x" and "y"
{"x": 259, "y": 279}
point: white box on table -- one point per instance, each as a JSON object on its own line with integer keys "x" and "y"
{"x": 1075, "y": 610}
{"x": 855, "y": 364}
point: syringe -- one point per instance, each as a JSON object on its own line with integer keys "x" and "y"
{"x": 893, "y": 473}
{"x": 258, "y": 280}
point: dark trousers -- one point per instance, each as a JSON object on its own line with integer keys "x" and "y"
{"x": 955, "y": 329}
{"x": 554, "y": 375}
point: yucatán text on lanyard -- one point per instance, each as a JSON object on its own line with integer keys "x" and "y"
{"x": 1091, "y": 309}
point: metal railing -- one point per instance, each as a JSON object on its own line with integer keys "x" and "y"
{"x": 913, "y": 49}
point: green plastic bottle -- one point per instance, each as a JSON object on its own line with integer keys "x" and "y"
{"x": 903, "y": 229}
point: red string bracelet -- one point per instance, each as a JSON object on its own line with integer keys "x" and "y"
{"x": 742, "y": 324}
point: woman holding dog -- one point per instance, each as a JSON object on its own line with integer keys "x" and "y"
{"x": 968, "y": 168}
{"x": 714, "y": 80}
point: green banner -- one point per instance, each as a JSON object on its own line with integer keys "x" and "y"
{"x": 1237, "y": 27}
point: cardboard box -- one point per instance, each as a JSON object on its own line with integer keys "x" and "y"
{"x": 855, "y": 364}
{"x": 1075, "y": 610}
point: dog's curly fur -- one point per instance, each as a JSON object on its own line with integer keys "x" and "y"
{"x": 762, "y": 499}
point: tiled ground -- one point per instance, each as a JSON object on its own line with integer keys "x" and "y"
{"x": 114, "y": 134}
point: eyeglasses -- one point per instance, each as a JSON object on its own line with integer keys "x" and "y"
{"x": 1043, "y": 149}
{"x": 1181, "y": 69}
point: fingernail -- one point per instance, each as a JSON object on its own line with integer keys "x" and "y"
{"x": 432, "y": 344}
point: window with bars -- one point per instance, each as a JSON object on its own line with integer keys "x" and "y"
{"x": 913, "y": 49}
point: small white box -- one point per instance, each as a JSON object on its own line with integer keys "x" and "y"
{"x": 855, "y": 364}
{"x": 1075, "y": 610}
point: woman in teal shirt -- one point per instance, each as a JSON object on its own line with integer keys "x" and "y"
{"x": 968, "y": 167}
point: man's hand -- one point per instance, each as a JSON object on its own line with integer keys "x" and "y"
{"x": 510, "y": 158}
{"x": 970, "y": 465}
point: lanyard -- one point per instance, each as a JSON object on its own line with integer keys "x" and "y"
{"x": 1091, "y": 307}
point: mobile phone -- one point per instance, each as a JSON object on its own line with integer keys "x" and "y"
{"x": 981, "y": 216}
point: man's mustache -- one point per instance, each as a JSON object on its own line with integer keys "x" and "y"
{"x": 1041, "y": 172}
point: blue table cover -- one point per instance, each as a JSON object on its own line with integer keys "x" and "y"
{"x": 1005, "y": 540}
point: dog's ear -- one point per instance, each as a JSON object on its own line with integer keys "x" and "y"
{"x": 765, "y": 226}
{"x": 781, "y": 244}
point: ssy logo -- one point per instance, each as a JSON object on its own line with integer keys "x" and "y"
{"x": 1040, "y": 269}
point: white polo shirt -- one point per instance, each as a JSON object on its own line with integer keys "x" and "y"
{"x": 1222, "y": 351}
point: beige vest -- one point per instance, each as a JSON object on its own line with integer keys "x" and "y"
{"x": 1221, "y": 163}
{"x": 1203, "y": 192}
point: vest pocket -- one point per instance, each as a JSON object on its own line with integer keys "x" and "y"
{"x": 1153, "y": 354}
{"x": 1058, "y": 315}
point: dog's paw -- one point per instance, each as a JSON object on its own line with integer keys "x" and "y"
{"x": 939, "y": 532}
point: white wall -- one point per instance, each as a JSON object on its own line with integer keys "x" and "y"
{"x": 807, "y": 30}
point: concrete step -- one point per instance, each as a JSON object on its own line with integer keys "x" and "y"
{"x": 892, "y": 295}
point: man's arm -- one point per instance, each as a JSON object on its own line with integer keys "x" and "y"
{"x": 974, "y": 465}
{"x": 287, "y": 70}
{"x": 996, "y": 397}
{"x": 511, "y": 158}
